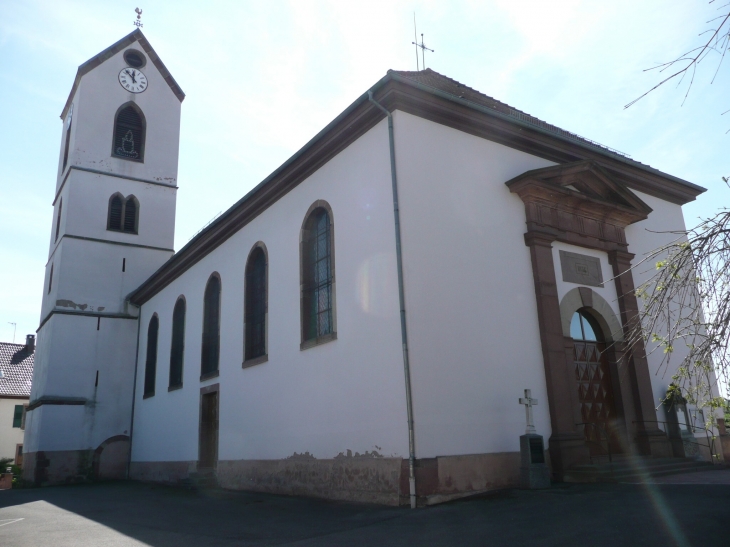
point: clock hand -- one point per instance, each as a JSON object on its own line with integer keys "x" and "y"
{"x": 133, "y": 80}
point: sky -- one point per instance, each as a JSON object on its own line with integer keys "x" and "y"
{"x": 262, "y": 78}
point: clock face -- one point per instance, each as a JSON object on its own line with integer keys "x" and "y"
{"x": 133, "y": 80}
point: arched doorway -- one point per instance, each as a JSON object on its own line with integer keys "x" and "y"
{"x": 593, "y": 376}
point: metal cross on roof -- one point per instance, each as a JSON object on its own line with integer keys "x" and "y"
{"x": 138, "y": 22}
{"x": 423, "y": 51}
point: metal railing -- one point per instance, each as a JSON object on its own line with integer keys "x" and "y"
{"x": 709, "y": 436}
{"x": 601, "y": 433}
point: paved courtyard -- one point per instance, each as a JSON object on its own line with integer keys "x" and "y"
{"x": 681, "y": 511}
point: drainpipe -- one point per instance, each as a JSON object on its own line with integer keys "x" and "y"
{"x": 401, "y": 298}
{"x": 134, "y": 387}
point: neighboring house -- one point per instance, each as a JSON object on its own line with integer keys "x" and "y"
{"x": 362, "y": 323}
{"x": 16, "y": 374}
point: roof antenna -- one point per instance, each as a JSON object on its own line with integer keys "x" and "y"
{"x": 138, "y": 22}
{"x": 421, "y": 45}
{"x": 15, "y": 325}
{"x": 415, "y": 37}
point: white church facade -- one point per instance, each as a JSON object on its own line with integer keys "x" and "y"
{"x": 361, "y": 324}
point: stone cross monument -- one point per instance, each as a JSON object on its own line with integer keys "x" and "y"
{"x": 529, "y": 402}
{"x": 533, "y": 469}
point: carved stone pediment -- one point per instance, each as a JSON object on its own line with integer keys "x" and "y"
{"x": 577, "y": 202}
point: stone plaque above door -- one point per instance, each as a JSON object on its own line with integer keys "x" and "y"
{"x": 581, "y": 269}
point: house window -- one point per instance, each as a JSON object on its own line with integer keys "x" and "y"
{"x": 211, "y": 328}
{"x": 150, "y": 371}
{"x": 18, "y": 416}
{"x": 123, "y": 214}
{"x": 129, "y": 133}
{"x": 177, "y": 350}
{"x": 58, "y": 218}
{"x": 317, "y": 267}
{"x": 255, "y": 304}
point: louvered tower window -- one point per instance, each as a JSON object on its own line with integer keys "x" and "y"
{"x": 50, "y": 280}
{"x": 129, "y": 134}
{"x": 317, "y": 277}
{"x": 58, "y": 218}
{"x": 211, "y": 327}
{"x": 255, "y": 312}
{"x": 150, "y": 371}
{"x": 130, "y": 215}
{"x": 177, "y": 351}
{"x": 123, "y": 214}
{"x": 68, "y": 138}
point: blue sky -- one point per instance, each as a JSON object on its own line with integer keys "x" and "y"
{"x": 262, "y": 78}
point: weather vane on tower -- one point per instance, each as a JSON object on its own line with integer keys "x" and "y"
{"x": 138, "y": 22}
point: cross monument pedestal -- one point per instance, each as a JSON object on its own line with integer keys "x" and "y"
{"x": 534, "y": 472}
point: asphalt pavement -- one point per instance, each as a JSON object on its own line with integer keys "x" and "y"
{"x": 133, "y": 514}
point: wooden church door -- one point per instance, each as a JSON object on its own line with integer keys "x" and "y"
{"x": 208, "y": 430}
{"x": 595, "y": 387}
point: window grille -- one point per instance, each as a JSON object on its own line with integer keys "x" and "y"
{"x": 150, "y": 371}
{"x": 256, "y": 299}
{"x": 211, "y": 326}
{"x": 317, "y": 282}
{"x": 129, "y": 134}
{"x": 177, "y": 351}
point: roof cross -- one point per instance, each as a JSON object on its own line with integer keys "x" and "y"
{"x": 423, "y": 48}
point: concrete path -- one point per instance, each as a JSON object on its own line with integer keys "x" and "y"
{"x": 593, "y": 515}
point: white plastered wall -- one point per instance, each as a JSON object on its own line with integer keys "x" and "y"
{"x": 472, "y": 317}
{"x": 348, "y": 394}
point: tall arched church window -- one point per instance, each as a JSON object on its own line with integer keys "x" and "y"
{"x": 256, "y": 298}
{"x": 177, "y": 350}
{"x": 123, "y": 214}
{"x": 129, "y": 133}
{"x": 317, "y": 267}
{"x": 58, "y": 218}
{"x": 150, "y": 370}
{"x": 211, "y": 327}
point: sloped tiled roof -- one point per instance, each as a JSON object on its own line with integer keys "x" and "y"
{"x": 16, "y": 363}
{"x": 448, "y": 85}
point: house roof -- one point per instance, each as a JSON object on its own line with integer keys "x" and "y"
{"x": 435, "y": 97}
{"x": 128, "y": 40}
{"x": 16, "y": 364}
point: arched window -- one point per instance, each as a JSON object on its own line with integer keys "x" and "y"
{"x": 211, "y": 327}
{"x": 150, "y": 371}
{"x": 130, "y": 215}
{"x": 255, "y": 305}
{"x": 58, "y": 218}
{"x": 317, "y": 267}
{"x": 177, "y": 351}
{"x": 584, "y": 327}
{"x": 123, "y": 214}
{"x": 69, "y": 120}
{"x": 129, "y": 133}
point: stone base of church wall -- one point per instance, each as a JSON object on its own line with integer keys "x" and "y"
{"x": 162, "y": 472}
{"x": 45, "y": 468}
{"x": 369, "y": 480}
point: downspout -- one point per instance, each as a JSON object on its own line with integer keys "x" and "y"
{"x": 401, "y": 298}
{"x": 134, "y": 389}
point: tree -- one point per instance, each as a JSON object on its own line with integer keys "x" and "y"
{"x": 688, "y": 62}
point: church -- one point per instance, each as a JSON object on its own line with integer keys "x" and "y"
{"x": 361, "y": 324}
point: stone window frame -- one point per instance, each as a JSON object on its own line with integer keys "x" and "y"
{"x": 307, "y": 343}
{"x": 265, "y": 357}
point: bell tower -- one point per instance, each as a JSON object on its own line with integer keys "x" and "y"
{"x": 113, "y": 226}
